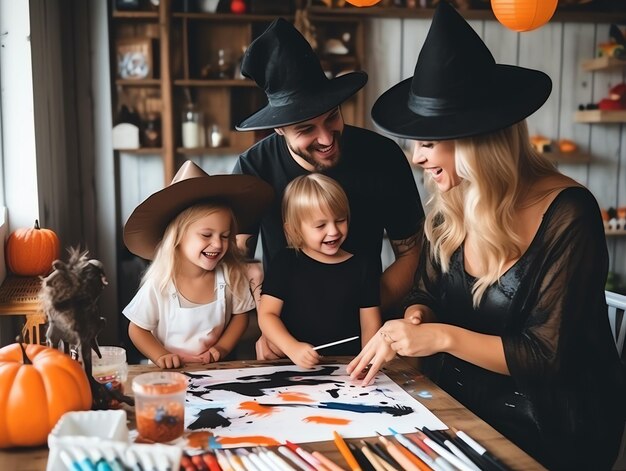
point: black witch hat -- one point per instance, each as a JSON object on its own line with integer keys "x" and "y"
{"x": 283, "y": 64}
{"x": 457, "y": 89}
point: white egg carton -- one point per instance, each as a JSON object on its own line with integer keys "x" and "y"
{"x": 103, "y": 435}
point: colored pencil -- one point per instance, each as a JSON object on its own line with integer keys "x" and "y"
{"x": 440, "y": 463}
{"x": 364, "y": 463}
{"x": 385, "y": 462}
{"x": 471, "y": 453}
{"x": 444, "y": 452}
{"x": 245, "y": 459}
{"x": 306, "y": 456}
{"x": 198, "y": 463}
{"x": 281, "y": 463}
{"x": 235, "y": 461}
{"x": 374, "y": 460}
{"x": 468, "y": 453}
{"x": 295, "y": 459}
{"x": 337, "y": 342}
{"x": 405, "y": 442}
{"x": 345, "y": 452}
{"x": 257, "y": 461}
{"x": 397, "y": 455}
{"x": 489, "y": 457}
{"x": 381, "y": 451}
{"x": 332, "y": 466}
{"x": 223, "y": 461}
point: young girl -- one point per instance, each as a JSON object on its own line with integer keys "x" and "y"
{"x": 194, "y": 300}
{"x": 315, "y": 292}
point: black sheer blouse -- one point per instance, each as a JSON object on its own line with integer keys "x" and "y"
{"x": 565, "y": 401}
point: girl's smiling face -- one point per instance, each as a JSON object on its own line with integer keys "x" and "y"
{"x": 206, "y": 240}
{"x": 438, "y": 161}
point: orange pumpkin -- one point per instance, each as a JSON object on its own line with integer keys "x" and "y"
{"x": 30, "y": 252}
{"x": 37, "y": 386}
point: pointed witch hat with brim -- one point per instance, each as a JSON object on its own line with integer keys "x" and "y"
{"x": 284, "y": 65}
{"x": 457, "y": 89}
{"x": 246, "y": 195}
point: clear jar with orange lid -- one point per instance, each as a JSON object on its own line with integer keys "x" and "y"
{"x": 160, "y": 405}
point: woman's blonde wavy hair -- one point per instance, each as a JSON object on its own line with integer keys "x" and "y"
{"x": 166, "y": 260}
{"x": 495, "y": 170}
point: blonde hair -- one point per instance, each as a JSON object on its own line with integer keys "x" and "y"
{"x": 165, "y": 264}
{"x": 306, "y": 194}
{"x": 496, "y": 169}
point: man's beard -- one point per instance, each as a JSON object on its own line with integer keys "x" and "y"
{"x": 307, "y": 154}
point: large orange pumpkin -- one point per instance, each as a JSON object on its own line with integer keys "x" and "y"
{"x": 31, "y": 251}
{"x": 37, "y": 386}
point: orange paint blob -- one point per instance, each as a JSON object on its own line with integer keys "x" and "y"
{"x": 249, "y": 440}
{"x": 319, "y": 419}
{"x": 295, "y": 397}
{"x": 199, "y": 439}
{"x": 256, "y": 408}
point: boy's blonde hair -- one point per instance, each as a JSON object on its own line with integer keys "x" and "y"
{"x": 495, "y": 169}
{"x": 165, "y": 263}
{"x": 304, "y": 195}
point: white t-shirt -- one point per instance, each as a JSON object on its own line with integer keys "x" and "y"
{"x": 187, "y": 330}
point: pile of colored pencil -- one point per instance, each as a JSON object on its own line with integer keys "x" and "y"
{"x": 423, "y": 451}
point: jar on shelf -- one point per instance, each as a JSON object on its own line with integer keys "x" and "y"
{"x": 193, "y": 127}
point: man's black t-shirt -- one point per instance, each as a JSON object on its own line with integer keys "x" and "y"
{"x": 373, "y": 172}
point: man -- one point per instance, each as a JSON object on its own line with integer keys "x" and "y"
{"x": 310, "y": 136}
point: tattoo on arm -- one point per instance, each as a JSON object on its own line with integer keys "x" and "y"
{"x": 402, "y": 247}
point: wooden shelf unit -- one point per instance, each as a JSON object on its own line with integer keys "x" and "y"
{"x": 600, "y": 116}
{"x": 186, "y": 68}
{"x": 603, "y": 63}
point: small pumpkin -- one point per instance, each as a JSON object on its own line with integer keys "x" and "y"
{"x": 38, "y": 385}
{"x": 31, "y": 251}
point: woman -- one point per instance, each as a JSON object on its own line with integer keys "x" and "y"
{"x": 510, "y": 289}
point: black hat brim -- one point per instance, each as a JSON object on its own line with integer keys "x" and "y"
{"x": 308, "y": 106}
{"x": 517, "y": 93}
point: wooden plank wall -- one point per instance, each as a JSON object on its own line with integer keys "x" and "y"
{"x": 392, "y": 46}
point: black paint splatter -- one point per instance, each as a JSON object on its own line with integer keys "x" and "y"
{"x": 255, "y": 385}
{"x": 209, "y": 418}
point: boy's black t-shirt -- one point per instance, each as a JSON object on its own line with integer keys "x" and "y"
{"x": 322, "y": 301}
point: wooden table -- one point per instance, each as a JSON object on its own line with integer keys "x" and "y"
{"x": 441, "y": 404}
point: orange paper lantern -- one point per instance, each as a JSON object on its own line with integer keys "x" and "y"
{"x": 523, "y": 15}
{"x": 363, "y": 3}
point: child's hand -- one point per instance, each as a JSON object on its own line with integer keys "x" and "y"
{"x": 169, "y": 360}
{"x": 214, "y": 354}
{"x": 302, "y": 354}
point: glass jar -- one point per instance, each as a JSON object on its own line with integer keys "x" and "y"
{"x": 160, "y": 405}
{"x": 193, "y": 127}
{"x": 110, "y": 370}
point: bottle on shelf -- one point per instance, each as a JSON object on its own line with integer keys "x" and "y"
{"x": 193, "y": 127}
{"x": 151, "y": 131}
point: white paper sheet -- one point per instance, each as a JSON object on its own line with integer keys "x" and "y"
{"x": 269, "y": 405}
